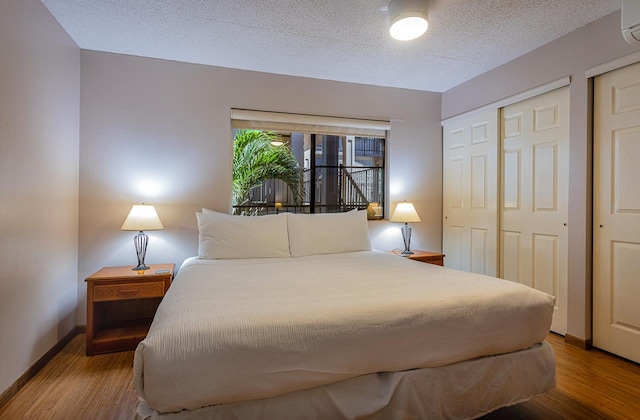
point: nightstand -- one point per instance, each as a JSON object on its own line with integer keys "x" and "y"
{"x": 121, "y": 304}
{"x": 435, "y": 258}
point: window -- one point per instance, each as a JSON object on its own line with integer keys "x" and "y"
{"x": 330, "y": 164}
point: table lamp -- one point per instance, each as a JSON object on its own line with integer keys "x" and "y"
{"x": 405, "y": 213}
{"x": 142, "y": 217}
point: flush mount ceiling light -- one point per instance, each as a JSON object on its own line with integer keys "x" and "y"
{"x": 408, "y": 18}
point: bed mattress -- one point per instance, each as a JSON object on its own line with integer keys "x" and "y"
{"x": 230, "y": 331}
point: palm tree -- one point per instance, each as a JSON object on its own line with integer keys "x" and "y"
{"x": 256, "y": 160}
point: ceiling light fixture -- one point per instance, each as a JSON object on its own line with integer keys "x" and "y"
{"x": 408, "y": 18}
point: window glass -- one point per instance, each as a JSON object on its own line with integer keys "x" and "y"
{"x": 281, "y": 170}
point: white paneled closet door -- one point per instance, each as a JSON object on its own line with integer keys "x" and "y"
{"x": 534, "y": 195}
{"x": 616, "y": 213}
{"x": 470, "y": 193}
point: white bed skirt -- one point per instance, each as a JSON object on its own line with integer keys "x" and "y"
{"x": 462, "y": 390}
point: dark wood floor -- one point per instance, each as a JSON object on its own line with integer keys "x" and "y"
{"x": 590, "y": 385}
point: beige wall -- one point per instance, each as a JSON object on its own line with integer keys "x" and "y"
{"x": 39, "y": 110}
{"x": 589, "y": 46}
{"x": 159, "y": 132}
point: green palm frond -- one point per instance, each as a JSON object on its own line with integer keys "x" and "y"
{"x": 256, "y": 160}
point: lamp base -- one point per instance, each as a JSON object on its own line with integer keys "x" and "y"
{"x": 140, "y": 241}
{"x": 406, "y": 237}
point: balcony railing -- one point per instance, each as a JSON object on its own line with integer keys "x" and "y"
{"x": 357, "y": 188}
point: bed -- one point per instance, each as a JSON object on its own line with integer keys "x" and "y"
{"x": 312, "y": 323}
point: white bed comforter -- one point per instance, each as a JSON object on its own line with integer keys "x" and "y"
{"x": 236, "y": 330}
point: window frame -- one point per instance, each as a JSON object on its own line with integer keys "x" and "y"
{"x": 319, "y": 125}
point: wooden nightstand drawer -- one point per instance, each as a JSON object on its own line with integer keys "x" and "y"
{"x": 128, "y": 291}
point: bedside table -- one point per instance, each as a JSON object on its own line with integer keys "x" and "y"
{"x": 435, "y": 258}
{"x": 121, "y": 304}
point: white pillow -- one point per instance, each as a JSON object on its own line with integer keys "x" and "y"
{"x": 328, "y": 233}
{"x": 213, "y": 212}
{"x": 222, "y": 236}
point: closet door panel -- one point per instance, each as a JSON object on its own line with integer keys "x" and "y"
{"x": 470, "y": 193}
{"x": 534, "y": 195}
{"x": 616, "y": 212}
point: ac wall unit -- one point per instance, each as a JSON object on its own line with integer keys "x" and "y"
{"x": 631, "y": 21}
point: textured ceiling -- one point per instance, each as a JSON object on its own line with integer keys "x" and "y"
{"x": 344, "y": 40}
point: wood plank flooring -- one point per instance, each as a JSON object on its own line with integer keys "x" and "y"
{"x": 73, "y": 386}
{"x": 590, "y": 385}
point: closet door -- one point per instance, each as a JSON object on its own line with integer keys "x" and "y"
{"x": 470, "y": 193}
{"x": 534, "y": 194}
{"x": 616, "y": 213}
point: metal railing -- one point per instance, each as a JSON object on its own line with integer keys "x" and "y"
{"x": 356, "y": 188}
{"x": 369, "y": 146}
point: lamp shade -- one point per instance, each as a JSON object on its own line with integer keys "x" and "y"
{"x": 405, "y": 213}
{"x": 142, "y": 217}
{"x": 408, "y": 18}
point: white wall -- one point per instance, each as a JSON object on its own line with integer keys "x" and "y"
{"x": 39, "y": 111}
{"x": 589, "y": 46}
{"x": 159, "y": 132}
